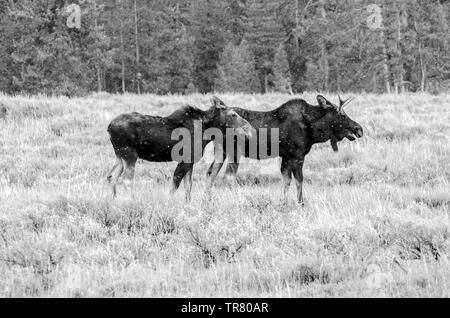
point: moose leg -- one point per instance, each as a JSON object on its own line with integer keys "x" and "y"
{"x": 129, "y": 168}
{"x": 188, "y": 184}
{"x": 232, "y": 168}
{"x": 212, "y": 174}
{"x": 210, "y": 169}
{"x": 286, "y": 172}
{"x": 111, "y": 172}
{"x": 297, "y": 170}
{"x": 114, "y": 175}
{"x": 214, "y": 170}
{"x": 231, "y": 172}
{"x": 179, "y": 174}
{"x": 219, "y": 159}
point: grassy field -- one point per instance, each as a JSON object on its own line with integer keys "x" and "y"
{"x": 376, "y": 220}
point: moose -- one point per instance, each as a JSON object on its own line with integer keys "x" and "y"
{"x": 300, "y": 126}
{"x": 135, "y": 136}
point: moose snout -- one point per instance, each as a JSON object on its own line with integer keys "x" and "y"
{"x": 358, "y": 131}
{"x": 247, "y": 131}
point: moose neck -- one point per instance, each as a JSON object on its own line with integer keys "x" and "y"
{"x": 212, "y": 119}
{"x": 313, "y": 113}
{"x": 321, "y": 131}
{"x": 320, "y": 128}
{"x": 209, "y": 119}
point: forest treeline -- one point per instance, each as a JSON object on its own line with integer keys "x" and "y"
{"x": 251, "y": 46}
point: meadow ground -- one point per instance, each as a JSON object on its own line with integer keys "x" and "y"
{"x": 376, "y": 220}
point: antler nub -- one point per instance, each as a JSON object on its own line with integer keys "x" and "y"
{"x": 343, "y": 103}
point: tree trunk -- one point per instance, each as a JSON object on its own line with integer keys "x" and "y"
{"x": 266, "y": 84}
{"x": 122, "y": 48}
{"x": 177, "y": 16}
{"x": 374, "y": 82}
{"x": 323, "y": 52}
{"x": 99, "y": 79}
{"x": 399, "y": 77}
{"x": 338, "y": 79}
{"x": 291, "y": 91}
{"x": 385, "y": 64}
{"x": 421, "y": 60}
{"x": 325, "y": 66}
{"x": 98, "y": 57}
{"x": 136, "y": 33}
{"x": 422, "y": 69}
{"x": 444, "y": 23}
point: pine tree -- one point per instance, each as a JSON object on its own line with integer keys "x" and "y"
{"x": 282, "y": 74}
{"x": 174, "y": 62}
{"x": 5, "y": 49}
{"x": 51, "y": 58}
{"x": 292, "y": 15}
{"x": 237, "y": 19}
{"x": 431, "y": 53}
{"x": 328, "y": 45}
{"x": 3, "y": 7}
{"x": 208, "y": 30}
{"x": 236, "y": 70}
{"x": 264, "y": 33}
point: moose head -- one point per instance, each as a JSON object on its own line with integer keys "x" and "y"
{"x": 335, "y": 124}
{"x": 226, "y": 117}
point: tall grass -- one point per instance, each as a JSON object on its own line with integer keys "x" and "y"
{"x": 375, "y": 223}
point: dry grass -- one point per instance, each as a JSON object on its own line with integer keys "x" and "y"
{"x": 382, "y": 202}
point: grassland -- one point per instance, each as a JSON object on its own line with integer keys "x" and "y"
{"x": 376, "y": 220}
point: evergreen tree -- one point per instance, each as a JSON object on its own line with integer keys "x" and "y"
{"x": 5, "y": 48}
{"x": 49, "y": 57}
{"x": 282, "y": 74}
{"x": 236, "y": 70}
{"x": 237, "y": 19}
{"x": 180, "y": 46}
{"x": 209, "y": 34}
{"x": 432, "y": 54}
{"x": 168, "y": 50}
{"x": 292, "y": 15}
{"x": 264, "y": 33}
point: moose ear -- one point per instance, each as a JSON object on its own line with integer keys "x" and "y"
{"x": 323, "y": 102}
{"x": 217, "y": 103}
